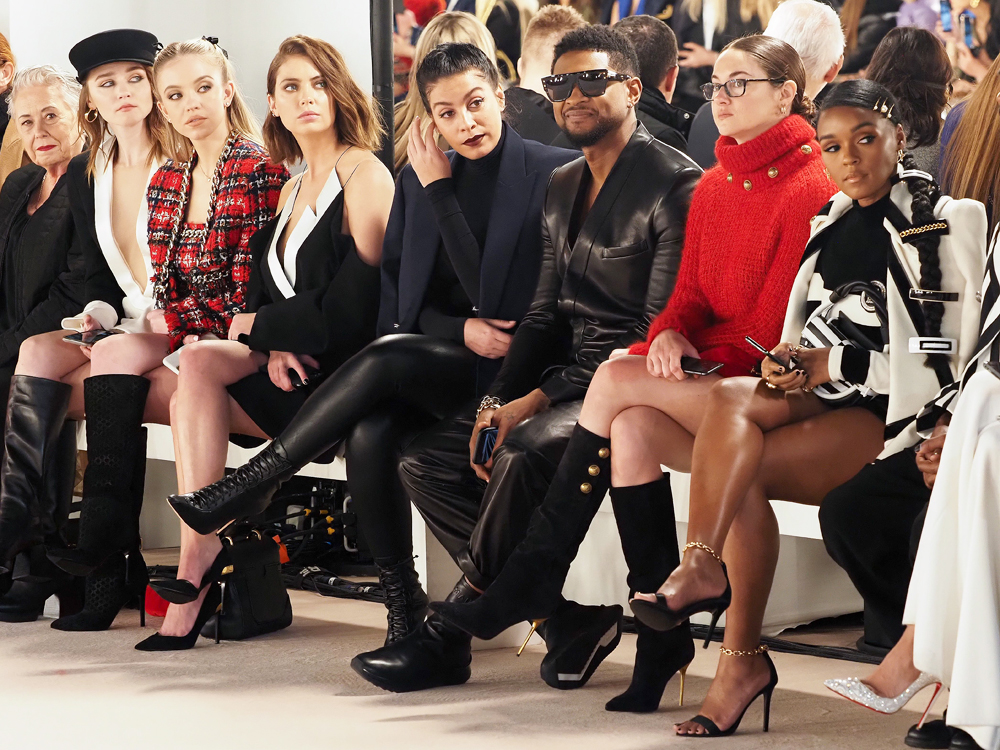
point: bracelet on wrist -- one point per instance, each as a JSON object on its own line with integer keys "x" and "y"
{"x": 489, "y": 402}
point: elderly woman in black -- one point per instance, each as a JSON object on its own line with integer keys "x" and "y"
{"x": 41, "y": 267}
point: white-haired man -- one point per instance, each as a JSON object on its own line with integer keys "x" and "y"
{"x": 813, "y": 30}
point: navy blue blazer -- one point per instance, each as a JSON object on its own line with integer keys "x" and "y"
{"x": 511, "y": 257}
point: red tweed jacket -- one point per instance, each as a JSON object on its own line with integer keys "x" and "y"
{"x": 201, "y": 288}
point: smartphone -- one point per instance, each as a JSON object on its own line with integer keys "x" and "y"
{"x": 787, "y": 365}
{"x": 89, "y": 338}
{"x": 485, "y": 443}
{"x": 993, "y": 367}
{"x": 967, "y": 25}
{"x": 946, "y": 15}
{"x": 695, "y": 366}
{"x": 173, "y": 361}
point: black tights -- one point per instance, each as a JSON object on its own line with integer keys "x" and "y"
{"x": 379, "y": 400}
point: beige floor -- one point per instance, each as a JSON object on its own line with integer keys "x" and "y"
{"x": 295, "y": 689}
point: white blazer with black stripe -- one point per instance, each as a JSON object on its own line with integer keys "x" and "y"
{"x": 909, "y": 384}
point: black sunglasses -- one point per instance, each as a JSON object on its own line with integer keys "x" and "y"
{"x": 734, "y": 87}
{"x": 591, "y": 82}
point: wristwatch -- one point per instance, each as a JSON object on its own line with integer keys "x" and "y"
{"x": 489, "y": 402}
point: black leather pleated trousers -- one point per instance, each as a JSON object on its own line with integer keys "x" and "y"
{"x": 481, "y": 523}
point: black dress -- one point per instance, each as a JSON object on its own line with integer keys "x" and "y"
{"x": 331, "y": 315}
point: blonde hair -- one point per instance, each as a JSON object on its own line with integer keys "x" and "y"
{"x": 969, "y": 170}
{"x": 762, "y": 9}
{"x": 241, "y": 119}
{"x": 97, "y": 131}
{"x": 452, "y": 26}
{"x": 357, "y": 122}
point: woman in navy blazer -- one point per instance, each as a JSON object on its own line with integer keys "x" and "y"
{"x": 460, "y": 262}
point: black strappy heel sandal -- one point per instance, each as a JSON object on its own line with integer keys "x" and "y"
{"x": 659, "y": 616}
{"x": 180, "y": 591}
{"x": 767, "y": 691}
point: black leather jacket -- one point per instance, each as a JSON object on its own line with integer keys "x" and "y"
{"x": 601, "y": 294}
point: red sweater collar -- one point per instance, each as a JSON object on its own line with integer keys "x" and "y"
{"x": 790, "y": 134}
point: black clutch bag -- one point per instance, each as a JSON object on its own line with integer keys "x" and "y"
{"x": 254, "y": 599}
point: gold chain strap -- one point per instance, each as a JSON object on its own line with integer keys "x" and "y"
{"x": 922, "y": 229}
{"x": 701, "y": 546}
{"x": 736, "y": 652}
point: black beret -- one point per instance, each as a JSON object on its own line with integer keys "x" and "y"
{"x": 117, "y": 45}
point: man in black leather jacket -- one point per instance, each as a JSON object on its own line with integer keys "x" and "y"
{"x": 613, "y": 228}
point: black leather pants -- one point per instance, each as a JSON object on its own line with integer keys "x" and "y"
{"x": 6, "y": 373}
{"x": 871, "y": 527}
{"x": 377, "y": 400}
{"x": 480, "y": 524}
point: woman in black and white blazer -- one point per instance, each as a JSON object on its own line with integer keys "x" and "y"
{"x": 794, "y": 435}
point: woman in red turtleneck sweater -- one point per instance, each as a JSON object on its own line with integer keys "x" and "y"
{"x": 746, "y": 232}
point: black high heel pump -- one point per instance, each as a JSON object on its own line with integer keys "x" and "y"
{"x": 767, "y": 691}
{"x": 209, "y": 607}
{"x": 180, "y": 591}
{"x": 659, "y": 616}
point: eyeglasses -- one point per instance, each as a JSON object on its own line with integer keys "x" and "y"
{"x": 734, "y": 87}
{"x": 591, "y": 82}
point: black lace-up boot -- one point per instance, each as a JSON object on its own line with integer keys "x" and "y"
{"x": 436, "y": 654}
{"x": 246, "y": 492}
{"x": 404, "y": 598}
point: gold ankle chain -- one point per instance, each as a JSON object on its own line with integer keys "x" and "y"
{"x": 701, "y": 546}
{"x": 736, "y": 652}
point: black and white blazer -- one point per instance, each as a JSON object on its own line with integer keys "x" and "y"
{"x": 895, "y": 371}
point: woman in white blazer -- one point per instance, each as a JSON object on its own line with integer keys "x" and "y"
{"x": 952, "y": 614}
{"x": 885, "y": 309}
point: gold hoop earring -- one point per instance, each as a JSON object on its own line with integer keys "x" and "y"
{"x": 91, "y": 116}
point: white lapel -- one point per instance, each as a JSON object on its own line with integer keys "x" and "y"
{"x": 103, "y": 192}
{"x": 273, "y": 264}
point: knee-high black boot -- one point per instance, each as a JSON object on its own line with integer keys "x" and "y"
{"x": 645, "y": 517}
{"x": 122, "y": 577}
{"x": 115, "y": 448}
{"x": 530, "y": 585}
{"x": 36, "y": 413}
{"x": 26, "y": 599}
{"x": 436, "y": 654}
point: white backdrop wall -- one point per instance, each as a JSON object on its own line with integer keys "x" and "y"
{"x": 250, "y": 30}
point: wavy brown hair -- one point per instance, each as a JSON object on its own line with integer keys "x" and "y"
{"x": 6, "y": 55}
{"x": 97, "y": 131}
{"x": 971, "y": 169}
{"x": 357, "y": 121}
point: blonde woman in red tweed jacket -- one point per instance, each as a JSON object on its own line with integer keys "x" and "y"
{"x": 204, "y": 205}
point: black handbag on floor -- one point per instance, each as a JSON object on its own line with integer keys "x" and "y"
{"x": 254, "y": 599}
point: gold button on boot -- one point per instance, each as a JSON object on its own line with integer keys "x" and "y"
{"x": 594, "y": 470}
{"x": 586, "y": 488}
{"x": 604, "y": 452}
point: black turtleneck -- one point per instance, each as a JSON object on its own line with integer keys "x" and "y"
{"x": 462, "y": 205}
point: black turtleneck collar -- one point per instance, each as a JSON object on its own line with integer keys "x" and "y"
{"x": 489, "y": 164}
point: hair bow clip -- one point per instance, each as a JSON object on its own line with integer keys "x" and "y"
{"x": 211, "y": 39}
{"x": 158, "y": 46}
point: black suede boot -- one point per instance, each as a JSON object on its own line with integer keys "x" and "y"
{"x": 530, "y": 585}
{"x": 36, "y": 413}
{"x": 645, "y": 517}
{"x": 404, "y": 598}
{"x": 116, "y": 447}
{"x": 246, "y": 492}
{"x": 578, "y": 639}
{"x": 434, "y": 655}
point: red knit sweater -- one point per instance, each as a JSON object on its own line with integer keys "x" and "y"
{"x": 746, "y": 231}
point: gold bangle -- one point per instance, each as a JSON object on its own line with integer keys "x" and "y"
{"x": 736, "y": 652}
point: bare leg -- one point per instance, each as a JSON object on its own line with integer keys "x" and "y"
{"x": 800, "y": 462}
{"x": 643, "y": 438}
{"x": 622, "y": 383}
{"x": 202, "y": 415}
{"x": 896, "y": 672}
{"x": 48, "y": 356}
{"x": 129, "y": 354}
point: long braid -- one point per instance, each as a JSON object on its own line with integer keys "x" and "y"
{"x": 925, "y": 195}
